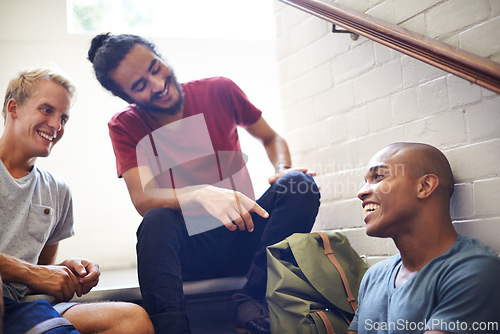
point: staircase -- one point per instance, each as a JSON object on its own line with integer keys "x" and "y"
{"x": 209, "y": 305}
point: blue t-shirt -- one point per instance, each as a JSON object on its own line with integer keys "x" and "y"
{"x": 457, "y": 292}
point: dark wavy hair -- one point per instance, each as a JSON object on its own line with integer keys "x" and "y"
{"x": 107, "y": 51}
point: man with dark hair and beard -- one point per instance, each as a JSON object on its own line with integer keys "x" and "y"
{"x": 177, "y": 148}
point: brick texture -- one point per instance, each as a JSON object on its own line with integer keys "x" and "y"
{"x": 346, "y": 99}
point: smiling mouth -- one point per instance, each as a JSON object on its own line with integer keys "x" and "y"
{"x": 165, "y": 92}
{"x": 45, "y": 136}
{"x": 371, "y": 207}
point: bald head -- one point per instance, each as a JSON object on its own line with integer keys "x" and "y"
{"x": 421, "y": 159}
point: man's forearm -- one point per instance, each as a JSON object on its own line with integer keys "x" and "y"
{"x": 278, "y": 153}
{"x": 155, "y": 198}
{"x": 13, "y": 270}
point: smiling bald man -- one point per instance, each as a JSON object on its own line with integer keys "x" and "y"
{"x": 439, "y": 282}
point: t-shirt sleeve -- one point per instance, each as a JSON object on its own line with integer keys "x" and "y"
{"x": 469, "y": 296}
{"x": 361, "y": 292}
{"x": 354, "y": 323}
{"x": 245, "y": 113}
{"x": 124, "y": 146}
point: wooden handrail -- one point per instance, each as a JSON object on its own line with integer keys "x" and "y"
{"x": 479, "y": 70}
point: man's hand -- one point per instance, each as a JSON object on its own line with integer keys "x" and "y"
{"x": 56, "y": 281}
{"x": 87, "y": 272}
{"x": 279, "y": 174}
{"x": 232, "y": 208}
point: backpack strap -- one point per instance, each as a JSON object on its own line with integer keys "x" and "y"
{"x": 333, "y": 260}
{"x": 326, "y": 322}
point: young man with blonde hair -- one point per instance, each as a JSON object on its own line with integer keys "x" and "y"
{"x": 36, "y": 212}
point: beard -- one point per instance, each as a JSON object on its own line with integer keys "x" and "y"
{"x": 177, "y": 107}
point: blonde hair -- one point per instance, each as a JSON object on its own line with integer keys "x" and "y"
{"x": 23, "y": 87}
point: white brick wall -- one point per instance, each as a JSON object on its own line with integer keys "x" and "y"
{"x": 458, "y": 14}
{"x": 343, "y": 100}
{"x": 475, "y": 38}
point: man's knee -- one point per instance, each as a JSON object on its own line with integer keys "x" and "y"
{"x": 298, "y": 184}
{"x": 134, "y": 319}
{"x": 156, "y": 216}
{"x": 109, "y": 317}
{"x": 160, "y": 222}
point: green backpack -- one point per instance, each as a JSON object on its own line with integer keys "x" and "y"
{"x": 313, "y": 282}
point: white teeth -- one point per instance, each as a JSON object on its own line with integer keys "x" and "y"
{"x": 46, "y": 136}
{"x": 165, "y": 92}
{"x": 371, "y": 207}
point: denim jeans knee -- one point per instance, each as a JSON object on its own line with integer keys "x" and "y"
{"x": 155, "y": 222}
{"x": 297, "y": 183}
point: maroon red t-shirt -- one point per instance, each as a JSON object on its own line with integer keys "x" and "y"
{"x": 201, "y": 148}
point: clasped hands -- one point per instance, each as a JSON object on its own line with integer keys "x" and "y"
{"x": 63, "y": 281}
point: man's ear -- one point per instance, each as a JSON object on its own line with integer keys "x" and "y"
{"x": 426, "y": 185}
{"x": 12, "y": 108}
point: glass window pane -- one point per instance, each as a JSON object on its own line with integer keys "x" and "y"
{"x": 215, "y": 19}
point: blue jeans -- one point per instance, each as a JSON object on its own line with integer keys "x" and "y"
{"x": 167, "y": 255}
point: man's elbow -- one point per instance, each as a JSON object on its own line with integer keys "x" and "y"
{"x": 141, "y": 206}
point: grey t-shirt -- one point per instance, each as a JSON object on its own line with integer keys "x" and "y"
{"x": 456, "y": 292}
{"x": 35, "y": 210}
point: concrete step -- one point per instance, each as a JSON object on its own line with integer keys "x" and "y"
{"x": 208, "y": 302}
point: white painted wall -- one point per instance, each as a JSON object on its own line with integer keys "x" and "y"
{"x": 343, "y": 100}
{"x": 33, "y": 33}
